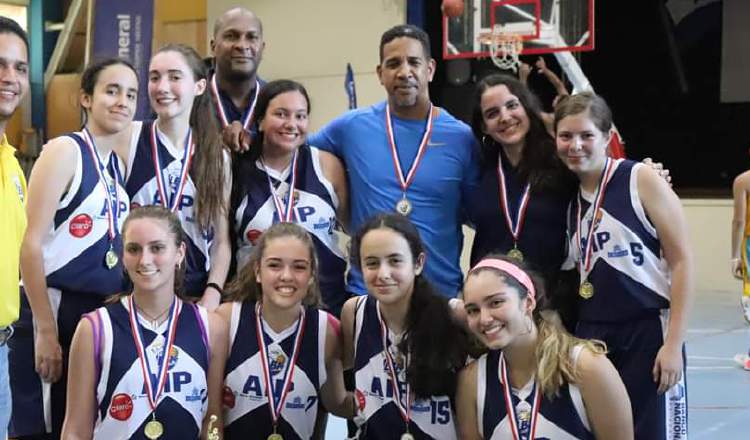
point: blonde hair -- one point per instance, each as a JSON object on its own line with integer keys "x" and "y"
{"x": 246, "y": 286}
{"x": 553, "y": 352}
{"x": 555, "y": 365}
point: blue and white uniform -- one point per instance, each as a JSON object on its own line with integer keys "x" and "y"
{"x": 629, "y": 310}
{"x": 447, "y": 174}
{"x": 379, "y": 416}
{"x": 143, "y": 189}
{"x": 245, "y": 396}
{"x": 560, "y": 418}
{"x": 78, "y": 281}
{"x": 122, "y": 405}
{"x": 314, "y": 210}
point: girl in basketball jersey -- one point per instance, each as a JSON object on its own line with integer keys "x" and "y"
{"x": 283, "y": 179}
{"x": 524, "y": 189}
{"x": 628, "y": 237}
{"x": 70, "y": 254}
{"x": 285, "y": 354}
{"x": 152, "y": 362}
{"x": 400, "y": 339}
{"x": 180, "y": 163}
{"x": 537, "y": 381}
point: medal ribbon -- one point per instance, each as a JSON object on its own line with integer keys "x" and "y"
{"x": 274, "y": 406}
{"x": 113, "y": 210}
{"x": 247, "y": 119}
{"x": 174, "y": 201}
{"x": 515, "y": 230}
{"x": 152, "y": 393}
{"x": 404, "y": 182}
{"x": 286, "y": 214}
{"x": 587, "y": 249}
{"x": 405, "y": 412}
{"x": 513, "y": 417}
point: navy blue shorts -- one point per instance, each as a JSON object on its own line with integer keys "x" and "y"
{"x": 632, "y": 348}
{"x": 40, "y": 408}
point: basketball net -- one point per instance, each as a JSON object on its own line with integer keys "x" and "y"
{"x": 505, "y": 47}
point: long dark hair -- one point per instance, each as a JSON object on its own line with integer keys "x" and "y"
{"x": 208, "y": 170}
{"x": 539, "y": 163}
{"x": 437, "y": 345}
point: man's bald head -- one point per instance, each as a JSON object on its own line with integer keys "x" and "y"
{"x": 237, "y": 45}
{"x": 233, "y": 13}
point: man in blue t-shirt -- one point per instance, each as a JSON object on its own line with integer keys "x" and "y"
{"x": 408, "y": 156}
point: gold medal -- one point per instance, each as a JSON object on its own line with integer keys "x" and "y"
{"x": 407, "y": 436}
{"x": 586, "y": 290}
{"x": 154, "y": 429}
{"x": 516, "y": 254}
{"x": 110, "y": 259}
{"x": 275, "y": 436}
{"x": 403, "y": 206}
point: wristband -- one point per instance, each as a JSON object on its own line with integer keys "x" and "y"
{"x": 216, "y": 288}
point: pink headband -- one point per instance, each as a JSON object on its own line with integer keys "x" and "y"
{"x": 509, "y": 268}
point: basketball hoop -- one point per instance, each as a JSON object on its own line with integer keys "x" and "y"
{"x": 505, "y": 47}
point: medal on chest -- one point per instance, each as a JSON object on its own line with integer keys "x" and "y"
{"x": 593, "y": 214}
{"x": 513, "y": 227}
{"x": 404, "y": 205}
{"x": 109, "y": 183}
{"x": 271, "y": 356}
{"x": 154, "y": 429}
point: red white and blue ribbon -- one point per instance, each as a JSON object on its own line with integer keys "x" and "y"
{"x": 405, "y": 181}
{"x": 587, "y": 247}
{"x": 247, "y": 118}
{"x": 514, "y": 229}
{"x": 405, "y": 410}
{"x": 154, "y": 390}
{"x": 174, "y": 201}
{"x": 526, "y": 432}
{"x": 274, "y": 406}
{"x": 285, "y": 213}
{"x": 113, "y": 209}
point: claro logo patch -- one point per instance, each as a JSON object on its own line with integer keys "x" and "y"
{"x": 228, "y": 397}
{"x": 121, "y": 407}
{"x": 80, "y": 226}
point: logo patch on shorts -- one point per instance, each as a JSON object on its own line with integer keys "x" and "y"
{"x": 121, "y": 407}
{"x": 80, "y": 226}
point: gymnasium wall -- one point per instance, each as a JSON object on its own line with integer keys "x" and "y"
{"x": 311, "y": 42}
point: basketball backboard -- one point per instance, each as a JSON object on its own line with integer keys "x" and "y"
{"x": 545, "y": 26}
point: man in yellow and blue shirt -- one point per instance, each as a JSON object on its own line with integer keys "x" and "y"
{"x": 14, "y": 82}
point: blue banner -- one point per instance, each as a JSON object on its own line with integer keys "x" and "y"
{"x": 351, "y": 90}
{"x": 124, "y": 28}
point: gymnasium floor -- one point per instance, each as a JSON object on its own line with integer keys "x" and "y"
{"x": 718, "y": 390}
